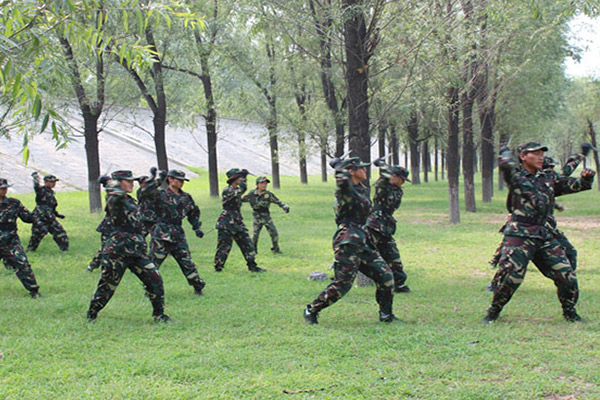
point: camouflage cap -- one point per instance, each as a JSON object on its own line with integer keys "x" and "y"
{"x": 177, "y": 174}
{"x": 548, "y": 163}
{"x": 400, "y": 172}
{"x": 4, "y": 183}
{"x": 232, "y": 172}
{"x": 531, "y": 146}
{"x": 354, "y": 162}
{"x": 50, "y": 178}
{"x": 123, "y": 174}
{"x": 262, "y": 179}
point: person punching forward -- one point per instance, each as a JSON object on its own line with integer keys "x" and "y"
{"x": 125, "y": 248}
{"x": 532, "y": 193}
{"x": 353, "y": 249}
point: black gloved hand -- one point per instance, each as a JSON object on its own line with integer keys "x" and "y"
{"x": 199, "y": 233}
{"x": 286, "y": 209}
{"x": 586, "y": 148}
{"x": 335, "y": 162}
{"x": 60, "y": 216}
{"x": 153, "y": 172}
{"x": 103, "y": 180}
{"x": 162, "y": 175}
{"x": 244, "y": 172}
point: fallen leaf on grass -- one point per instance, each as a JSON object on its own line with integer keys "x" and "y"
{"x": 306, "y": 390}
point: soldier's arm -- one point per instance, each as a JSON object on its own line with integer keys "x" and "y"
{"x": 572, "y": 164}
{"x": 193, "y": 215}
{"x": 508, "y": 165}
{"x": 280, "y": 203}
{"x": 36, "y": 182}
{"x": 25, "y": 214}
{"x": 565, "y": 185}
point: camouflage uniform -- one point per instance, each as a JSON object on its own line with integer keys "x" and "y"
{"x": 167, "y": 235}
{"x": 261, "y": 216}
{"x": 381, "y": 224}
{"x": 353, "y": 249}
{"x": 11, "y": 251}
{"x": 125, "y": 248}
{"x": 527, "y": 236}
{"x": 146, "y": 209}
{"x": 230, "y": 224}
{"x": 46, "y": 214}
{"x": 105, "y": 230}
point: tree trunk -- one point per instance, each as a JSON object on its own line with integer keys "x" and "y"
{"x": 503, "y": 142}
{"x": 301, "y": 99}
{"x": 452, "y": 155}
{"x": 323, "y": 146}
{"x": 394, "y": 144}
{"x": 443, "y": 161}
{"x": 468, "y": 150}
{"x": 435, "y": 159}
{"x": 273, "y": 144}
{"x": 357, "y": 80}
{"x": 406, "y": 158}
{"x": 592, "y": 134}
{"x": 425, "y": 161}
{"x": 381, "y": 139}
{"x": 92, "y": 155}
{"x": 412, "y": 128}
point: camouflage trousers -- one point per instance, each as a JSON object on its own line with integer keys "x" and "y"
{"x": 160, "y": 249}
{"x": 260, "y": 220}
{"x": 113, "y": 268}
{"x": 41, "y": 229}
{"x": 224, "y": 242}
{"x": 15, "y": 258}
{"x": 549, "y": 258}
{"x": 386, "y": 246}
{"x": 349, "y": 260}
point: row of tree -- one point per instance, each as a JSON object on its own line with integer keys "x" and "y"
{"x": 461, "y": 76}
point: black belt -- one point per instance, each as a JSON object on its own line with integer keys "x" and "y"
{"x": 528, "y": 220}
{"x": 128, "y": 229}
{"x": 8, "y": 226}
{"x": 261, "y": 210}
{"x": 352, "y": 220}
{"x": 172, "y": 221}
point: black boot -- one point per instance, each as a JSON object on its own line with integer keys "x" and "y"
{"x": 572, "y": 316}
{"x": 311, "y": 317}
{"x": 91, "y": 316}
{"x": 162, "y": 318}
{"x": 492, "y": 315}
{"x": 198, "y": 289}
{"x": 387, "y": 317}
{"x": 256, "y": 268}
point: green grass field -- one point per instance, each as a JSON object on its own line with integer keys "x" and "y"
{"x": 246, "y": 338}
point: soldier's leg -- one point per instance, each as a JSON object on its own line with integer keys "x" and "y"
{"x": 376, "y": 268}
{"x": 113, "y": 269}
{"x": 389, "y": 252}
{"x": 257, "y": 224}
{"x": 182, "y": 255}
{"x": 38, "y": 231}
{"x": 554, "y": 264}
{"x": 515, "y": 255}
{"x": 242, "y": 238}
{"x": 346, "y": 265}
{"x": 224, "y": 242}
{"x": 159, "y": 250}
{"x": 270, "y": 225}
{"x": 96, "y": 261}
{"x": 569, "y": 249}
{"x": 59, "y": 235}
{"x": 147, "y": 272}
{"x": 16, "y": 258}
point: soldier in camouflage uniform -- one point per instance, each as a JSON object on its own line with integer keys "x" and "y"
{"x": 46, "y": 214}
{"x": 381, "y": 223}
{"x": 230, "y": 224}
{"x": 260, "y": 200}
{"x": 125, "y": 248}
{"x": 527, "y": 236}
{"x": 353, "y": 249}
{"x": 11, "y": 250}
{"x": 171, "y": 206}
{"x": 147, "y": 213}
{"x": 567, "y": 170}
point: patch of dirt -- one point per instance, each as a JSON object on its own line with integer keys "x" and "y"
{"x": 579, "y": 222}
{"x": 560, "y": 397}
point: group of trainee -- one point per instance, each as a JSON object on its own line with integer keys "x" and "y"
{"x": 363, "y": 241}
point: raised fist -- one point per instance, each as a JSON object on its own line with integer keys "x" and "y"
{"x": 504, "y": 149}
{"x": 335, "y": 162}
{"x": 586, "y": 148}
{"x": 380, "y": 162}
{"x": 153, "y": 172}
{"x": 103, "y": 180}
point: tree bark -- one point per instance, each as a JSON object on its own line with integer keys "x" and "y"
{"x": 381, "y": 138}
{"x": 394, "y": 144}
{"x": 301, "y": 99}
{"x": 412, "y": 127}
{"x": 467, "y": 103}
{"x": 435, "y": 158}
{"x": 592, "y": 134}
{"x": 503, "y": 142}
{"x": 425, "y": 160}
{"x": 452, "y": 155}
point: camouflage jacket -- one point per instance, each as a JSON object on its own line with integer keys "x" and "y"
{"x": 352, "y": 207}
{"x": 170, "y": 208}
{"x": 10, "y": 210}
{"x": 532, "y": 195}
{"x": 105, "y": 226}
{"x": 126, "y": 238}
{"x": 567, "y": 170}
{"x": 231, "y": 217}
{"x": 386, "y": 201}
{"x": 145, "y": 207}
{"x": 45, "y": 200}
{"x": 260, "y": 202}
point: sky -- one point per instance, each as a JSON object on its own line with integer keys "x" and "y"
{"x": 585, "y": 33}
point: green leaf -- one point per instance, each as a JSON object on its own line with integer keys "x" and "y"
{"x": 26, "y": 154}
{"x": 37, "y": 108}
{"x": 54, "y": 131}
{"x": 45, "y": 122}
